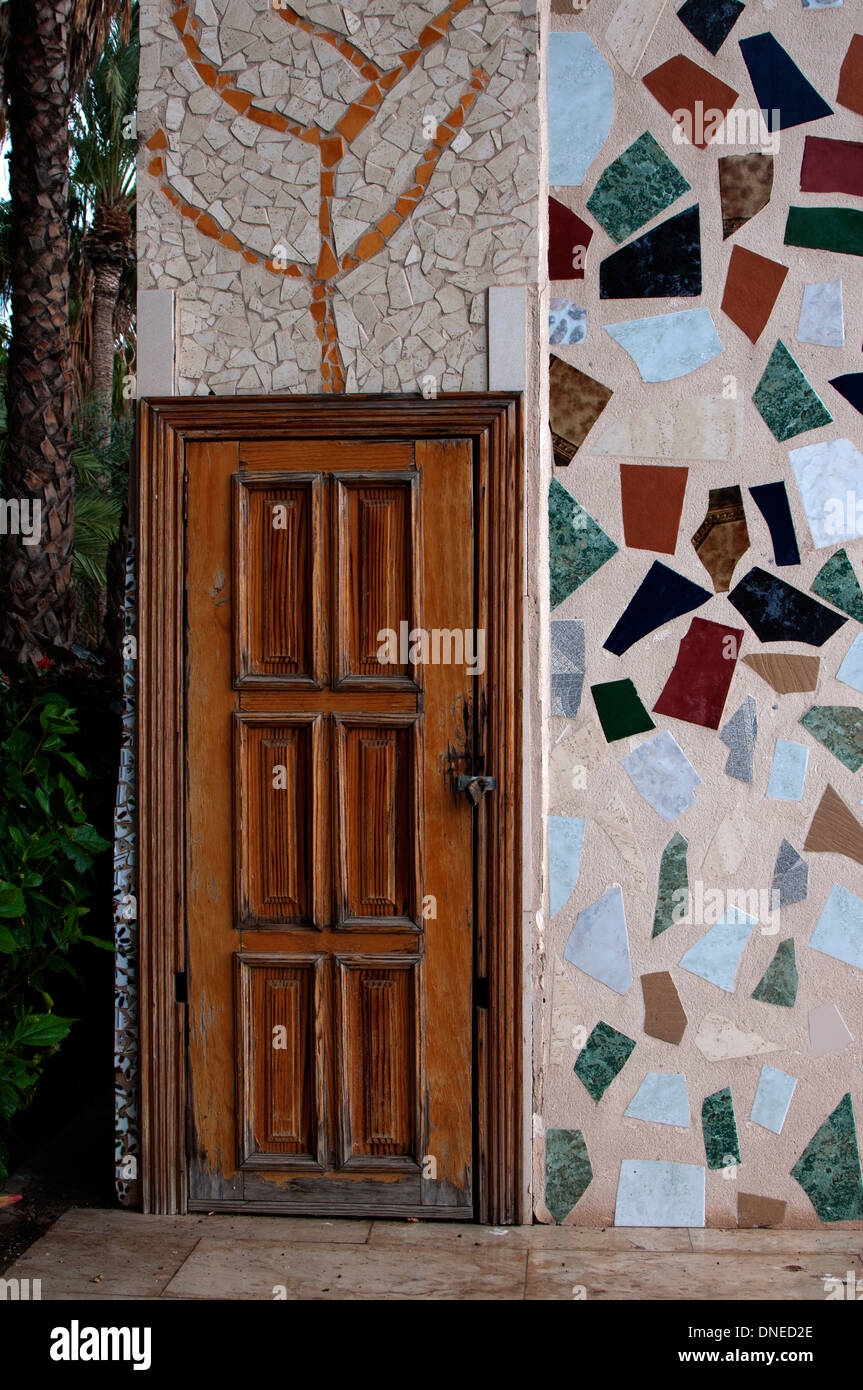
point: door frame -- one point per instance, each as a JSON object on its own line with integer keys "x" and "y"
{"x": 494, "y": 423}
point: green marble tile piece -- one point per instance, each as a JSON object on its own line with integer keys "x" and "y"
{"x": 785, "y": 400}
{"x": 671, "y": 904}
{"x": 826, "y": 229}
{"x": 568, "y": 1173}
{"x": 577, "y": 544}
{"x": 620, "y": 710}
{"x": 828, "y": 1169}
{"x": 778, "y": 984}
{"x": 636, "y": 186}
{"x": 837, "y": 582}
{"x": 719, "y": 1125}
{"x": 839, "y": 728}
{"x": 605, "y": 1053}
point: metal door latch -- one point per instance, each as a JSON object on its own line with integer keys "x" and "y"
{"x": 475, "y": 788}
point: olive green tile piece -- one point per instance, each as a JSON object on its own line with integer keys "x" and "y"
{"x": 578, "y": 545}
{"x": 620, "y": 710}
{"x": 672, "y": 898}
{"x": 785, "y": 400}
{"x": 828, "y": 1169}
{"x": 636, "y": 186}
{"x": 839, "y": 728}
{"x": 719, "y": 1126}
{"x": 568, "y": 1173}
{"x": 826, "y": 229}
{"x": 839, "y": 585}
{"x": 605, "y": 1053}
{"x": 778, "y": 984}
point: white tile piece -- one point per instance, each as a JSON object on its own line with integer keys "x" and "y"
{"x": 662, "y": 1099}
{"x": 822, "y": 319}
{"x": 851, "y": 670}
{"x": 667, "y": 346}
{"x": 599, "y": 944}
{"x": 630, "y": 30}
{"x": 728, "y": 846}
{"x": 716, "y": 955}
{"x": 663, "y": 775}
{"x": 156, "y": 343}
{"x": 507, "y": 337}
{"x": 565, "y": 839}
{"x": 580, "y": 106}
{"x": 567, "y": 323}
{"x": 828, "y": 1031}
{"x": 772, "y": 1099}
{"x": 707, "y": 427}
{"x": 788, "y": 773}
{"x": 719, "y": 1039}
{"x": 830, "y": 481}
{"x": 839, "y": 929}
{"x": 652, "y": 1193}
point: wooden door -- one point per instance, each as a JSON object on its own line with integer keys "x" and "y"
{"x": 330, "y": 609}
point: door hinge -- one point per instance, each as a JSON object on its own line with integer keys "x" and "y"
{"x": 480, "y": 991}
{"x": 180, "y": 996}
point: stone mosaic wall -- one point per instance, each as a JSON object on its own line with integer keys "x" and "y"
{"x": 698, "y": 1030}
{"x": 330, "y": 192}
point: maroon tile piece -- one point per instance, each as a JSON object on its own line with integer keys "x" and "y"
{"x": 568, "y": 240}
{"x": 832, "y": 166}
{"x": 698, "y": 685}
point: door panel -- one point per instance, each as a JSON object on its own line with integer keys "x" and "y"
{"x": 330, "y": 862}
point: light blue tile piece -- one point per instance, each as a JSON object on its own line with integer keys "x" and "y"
{"x": 662, "y": 1098}
{"x": 565, "y": 839}
{"x": 839, "y": 930}
{"x": 580, "y": 106}
{"x": 598, "y": 943}
{"x": 666, "y": 346}
{"x": 821, "y": 316}
{"x": 830, "y": 481}
{"x": 652, "y": 1193}
{"x": 663, "y": 775}
{"x": 566, "y": 322}
{"x": 788, "y": 773}
{"x": 772, "y": 1099}
{"x": 851, "y": 670}
{"x": 716, "y": 955}
{"x": 821, "y": 4}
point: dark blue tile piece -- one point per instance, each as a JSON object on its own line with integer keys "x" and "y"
{"x": 777, "y": 612}
{"x": 710, "y": 21}
{"x": 664, "y": 262}
{"x": 779, "y": 84}
{"x": 850, "y": 385}
{"x": 771, "y": 499}
{"x": 663, "y": 594}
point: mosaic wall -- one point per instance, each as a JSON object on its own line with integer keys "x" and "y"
{"x": 331, "y": 192}
{"x": 705, "y": 828}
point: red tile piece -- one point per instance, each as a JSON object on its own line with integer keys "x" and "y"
{"x": 568, "y": 240}
{"x": 752, "y": 287}
{"x": 652, "y": 500}
{"x": 681, "y": 86}
{"x": 832, "y": 166}
{"x": 698, "y": 685}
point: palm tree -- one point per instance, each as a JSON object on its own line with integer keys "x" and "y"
{"x": 103, "y": 173}
{"x": 50, "y": 46}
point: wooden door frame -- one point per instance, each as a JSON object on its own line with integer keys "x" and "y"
{"x": 493, "y": 421}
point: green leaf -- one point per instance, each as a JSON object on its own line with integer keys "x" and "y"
{"x": 95, "y": 941}
{"x": 12, "y": 903}
{"x": 44, "y": 1030}
{"x": 89, "y": 839}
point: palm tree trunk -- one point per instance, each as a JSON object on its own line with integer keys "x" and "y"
{"x": 106, "y": 287}
{"x": 38, "y": 609}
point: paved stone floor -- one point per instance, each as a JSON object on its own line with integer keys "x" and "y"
{"x": 95, "y": 1254}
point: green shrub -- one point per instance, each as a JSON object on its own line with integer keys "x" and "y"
{"x": 47, "y": 849}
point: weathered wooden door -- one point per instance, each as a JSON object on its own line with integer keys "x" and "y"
{"x": 329, "y": 638}
{"x": 331, "y": 672}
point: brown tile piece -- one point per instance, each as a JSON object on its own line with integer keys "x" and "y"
{"x": 786, "y": 672}
{"x": 723, "y": 536}
{"x": 745, "y": 185}
{"x": 850, "y": 92}
{"x": 664, "y": 1015}
{"x": 754, "y": 1211}
{"x": 835, "y": 829}
{"x": 679, "y": 84}
{"x": 569, "y": 7}
{"x": 576, "y": 402}
{"x": 652, "y": 499}
{"x": 752, "y": 287}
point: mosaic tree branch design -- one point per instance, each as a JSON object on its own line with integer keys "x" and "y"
{"x": 332, "y": 145}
